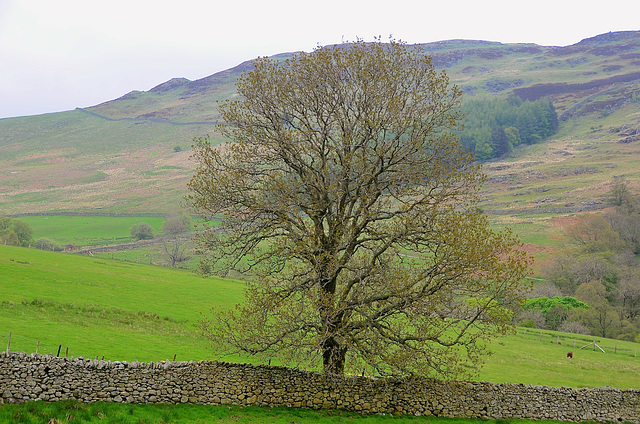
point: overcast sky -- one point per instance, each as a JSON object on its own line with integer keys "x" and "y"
{"x": 56, "y": 55}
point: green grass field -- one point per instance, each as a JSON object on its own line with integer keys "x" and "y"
{"x": 107, "y": 413}
{"x": 88, "y": 230}
{"x": 128, "y": 311}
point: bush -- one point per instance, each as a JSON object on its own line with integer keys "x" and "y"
{"x": 48, "y": 244}
{"x": 141, "y": 231}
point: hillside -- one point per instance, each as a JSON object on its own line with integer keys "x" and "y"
{"x": 131, "y": 154}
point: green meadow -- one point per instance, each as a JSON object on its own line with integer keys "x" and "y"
{"x": 90, "y": 230}
{"x": 130, "y": 311}
{"x": 106, "y": 413}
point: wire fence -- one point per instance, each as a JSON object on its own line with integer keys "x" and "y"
{"x": 580, "y": 341}
{"x": 574, "y": 342}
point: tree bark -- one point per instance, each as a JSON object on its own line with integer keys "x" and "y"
{"x": 333, "y": 356}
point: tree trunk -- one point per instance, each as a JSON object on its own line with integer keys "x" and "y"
{"x": 333, "y": 357}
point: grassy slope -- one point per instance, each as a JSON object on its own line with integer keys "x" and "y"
{"x": 125, "y": 311}
{"x": 129, "y": 311}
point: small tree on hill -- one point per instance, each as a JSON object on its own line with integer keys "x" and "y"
{"x": 352, "y": 209}
{"x": 175, "y": 248}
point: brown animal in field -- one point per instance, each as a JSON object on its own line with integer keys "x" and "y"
{"x": 570, "y": 355}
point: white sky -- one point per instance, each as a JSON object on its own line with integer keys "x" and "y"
{"x": 57, "y": 55}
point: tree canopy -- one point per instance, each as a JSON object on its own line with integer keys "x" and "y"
{"x": 350, "y": 208}
{"x": 14, "y": 232}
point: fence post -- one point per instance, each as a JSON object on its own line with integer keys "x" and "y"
{"x": 9, "y": 343}
{"x": 38, "y": 347}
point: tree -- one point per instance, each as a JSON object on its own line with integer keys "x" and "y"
{"x": 175, "y": 248}
{"x": 601, "y": 317}
{"x": 500, "y": 141}
{"x": 141, "y": 231}
{"x": 14, "y": 232}
{"x": 176, "y": 225}
{"x": 351, "y": 208}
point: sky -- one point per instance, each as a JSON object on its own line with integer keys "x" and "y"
{"x": 56, "y": 55}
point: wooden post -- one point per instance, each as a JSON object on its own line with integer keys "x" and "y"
{"x": 59, "y": 347}
{"x": 66, "y": 353}
{"x": 9, "y": 343}
{"x": 541, "y": 336}
{"x": 558, "y": 340}
{"x": 594, "y": 345}
{"x": 38, "y": 347}
{"x": 574, "y": 343}
{"x": 174, "y": 357}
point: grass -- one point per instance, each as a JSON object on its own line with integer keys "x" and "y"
{"x": 88, "y": 230}
{"x": 44, "y": 296}
{"x": 129, "y": 311}
{"x": 70, "y": 412}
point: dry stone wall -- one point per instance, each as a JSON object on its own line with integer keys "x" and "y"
{"x": 27, "y": 377}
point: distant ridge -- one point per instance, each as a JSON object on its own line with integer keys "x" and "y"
{"x": 150, "y": 119}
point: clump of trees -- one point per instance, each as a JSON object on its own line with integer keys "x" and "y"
{"x": 351, "y": 208}
{"x": 14, "y": 232}
{"x": 602, "y": 269}
{"x": 492, "y": 127}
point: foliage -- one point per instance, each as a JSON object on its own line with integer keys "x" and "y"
{"x": 554, "y": 310}
{"x": 352, "y": 207}
{"x": 14, "y": 232}
{"x": 141, "y": 231}
{"x": 176, "y": 225}
{"x": 544, "y": 304}
{"x": 602, "y": 268}
{"x": 48, "y": 244}
{"x": 493, "y": 127}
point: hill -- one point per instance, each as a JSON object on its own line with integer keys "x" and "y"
{"x": 131, "y": 154}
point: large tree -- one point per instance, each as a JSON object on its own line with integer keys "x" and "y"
{"x": 351, "y": 209}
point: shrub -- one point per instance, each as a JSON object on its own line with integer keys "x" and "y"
{"x": 48, "y": 244}
{"x": 141, "y": 231}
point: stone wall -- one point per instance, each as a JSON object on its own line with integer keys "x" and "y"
{"x": 25, "y": 377}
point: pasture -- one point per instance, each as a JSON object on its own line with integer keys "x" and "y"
{"x": 104, "y": 413}
{"x": 88, "y": 231}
